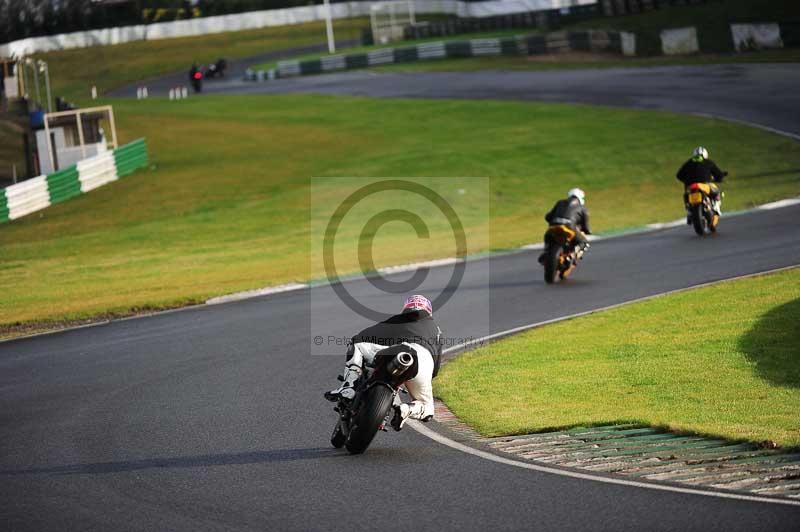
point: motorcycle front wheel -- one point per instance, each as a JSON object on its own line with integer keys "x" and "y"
{"x": 374, "y": 408}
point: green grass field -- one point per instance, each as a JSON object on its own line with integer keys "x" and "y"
{"x": 720, "y": 361}
{"x": 225, "y": 206}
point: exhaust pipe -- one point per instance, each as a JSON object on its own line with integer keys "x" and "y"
{"x": 400, "y": 363}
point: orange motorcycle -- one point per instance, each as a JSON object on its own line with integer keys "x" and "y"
{"x": 703, "y": 214}
{"x": 560, "y": 255}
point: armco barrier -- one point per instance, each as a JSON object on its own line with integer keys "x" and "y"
{"x": 517, "y": 45}
{"x": 41, "y": 192}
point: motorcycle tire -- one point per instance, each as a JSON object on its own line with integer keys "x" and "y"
{"x": 698, "y": 220}
{"x": 551, "y": 257}
{"x": 338, "y": 438}
{"x": 374, "y": 408}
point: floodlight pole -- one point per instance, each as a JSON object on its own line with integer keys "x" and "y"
{"x": 329, "y": 27}
{"x": 46, "y": 70}
{"x": 32, "y": 64}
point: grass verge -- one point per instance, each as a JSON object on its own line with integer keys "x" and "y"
{"x": 225, "y": 206}
{"x": 719, "y": 361}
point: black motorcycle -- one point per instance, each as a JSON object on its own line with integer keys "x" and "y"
{"x": 363, "y": 416}
{"x": 215, "y": 70}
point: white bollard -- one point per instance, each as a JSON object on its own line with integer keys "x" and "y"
{"x": 138, "y": 93}
{"x": 172, "y": 94}
{"x": 94, "y": 92}
{"x": 144, "y": 92}
{"x": 184, "y": 92}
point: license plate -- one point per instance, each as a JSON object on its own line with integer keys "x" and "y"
{"x": 695, "y": 198}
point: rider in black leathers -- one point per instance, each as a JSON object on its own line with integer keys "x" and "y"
{"x": 572, "y": 213}
{"x": 701, "y": 169}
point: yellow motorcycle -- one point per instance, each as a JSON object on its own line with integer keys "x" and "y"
{"x": 702, "y": 214}
{"x": 560, "y": 257}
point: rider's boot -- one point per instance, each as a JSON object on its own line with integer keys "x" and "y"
{"x": 404, "y": 411}
{"x": 346, "y": 390}
{"x": 580, "y": 250}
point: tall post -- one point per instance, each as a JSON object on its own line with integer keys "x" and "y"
{"x": 24, "y": 78}
{"x": 36, "y": 81}
{"x": 49, "y": 144}
{"x": 329, "y": 27}
{"x": 80, "y": 135}
{"x": 46, "y": 71}
{"x": 113, "y": 127}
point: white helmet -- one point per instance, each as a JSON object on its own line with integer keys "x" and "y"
{"x": 577, "y": 193}
{"x": 700, "y": 152}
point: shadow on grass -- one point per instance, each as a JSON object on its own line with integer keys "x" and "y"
{"x": 179, "y": 462}
{"x": 774, "y": 345}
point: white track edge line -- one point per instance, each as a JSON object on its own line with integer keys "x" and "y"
{"x": 769, "y": 129}
{"x": 433, "y": 435}
{"x": 788, "y": 202}
{"x": 444, "y": 440}
{"x": 523, "y": 328}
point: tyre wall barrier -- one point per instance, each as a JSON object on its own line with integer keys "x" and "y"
{"x": 41, "y": 192}
{"x": 563, "y": 41}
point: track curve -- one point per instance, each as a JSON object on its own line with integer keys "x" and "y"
{"x": 764, "y": 94}
{"x": 212, "y": 418}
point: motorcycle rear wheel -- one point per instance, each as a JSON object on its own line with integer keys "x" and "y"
{"x": 551, "y": 257}
{"x": 374, "y": 408}
{"x": 698, "y": 220}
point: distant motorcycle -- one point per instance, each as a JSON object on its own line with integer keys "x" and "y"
{"x": 376, "y": 390}
{"x": 197, "y": 81}
{"x": 702, "y": 212}
{"x": 215, "y": 70}
{"x": 561, "y": 255}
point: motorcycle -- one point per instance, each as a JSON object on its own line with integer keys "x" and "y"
{"x": 702, "y": 214}
{"x": 376, "y": 392}
{"x": 217, "y": 69}
{"x": 560, "y": 257}
{"x": 197, "y": 81}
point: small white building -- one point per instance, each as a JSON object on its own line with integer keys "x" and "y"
{"x": 73, "y": 136}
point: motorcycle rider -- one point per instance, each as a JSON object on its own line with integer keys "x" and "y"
{"x": 414, "y": 329}
{"x": 572, "y": 213}
{"x": 196, "y": 77}
{"x": 700, "y": 169}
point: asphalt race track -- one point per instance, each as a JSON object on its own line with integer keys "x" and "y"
{"x": 764, "y": 94}
{"x": 212, "y": 418}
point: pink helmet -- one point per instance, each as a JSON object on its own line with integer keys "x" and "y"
{"x": 417, "y": 302}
